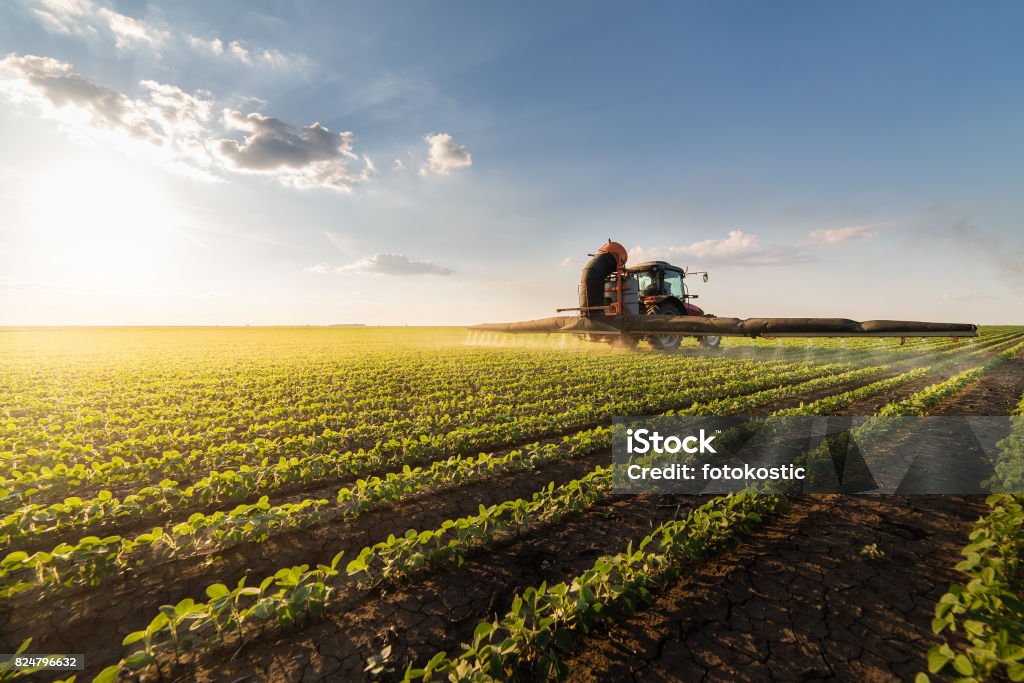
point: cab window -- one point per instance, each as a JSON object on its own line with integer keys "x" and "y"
{"x": 646, "y": 284}
{"x": 674, "y": 283}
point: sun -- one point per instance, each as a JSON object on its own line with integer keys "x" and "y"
{"x": 100, "y": 221}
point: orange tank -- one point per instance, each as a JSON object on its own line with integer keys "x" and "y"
{"x": 616, "y": 250}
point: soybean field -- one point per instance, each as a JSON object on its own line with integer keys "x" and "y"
{"x": 303, "y": 504}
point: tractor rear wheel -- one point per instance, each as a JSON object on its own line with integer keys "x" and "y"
{"x": 664, "y": 342}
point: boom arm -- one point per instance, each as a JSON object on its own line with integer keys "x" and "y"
{"x": 736, "y": 327}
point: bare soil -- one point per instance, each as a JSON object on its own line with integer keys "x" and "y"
{"x": 803, "y": 601}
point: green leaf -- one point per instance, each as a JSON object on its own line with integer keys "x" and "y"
{"x": 17, "y": 557}
{"x": 138, "y": 660}
{"x": 217, "y": 590}
{"x": 482, "y": 630}
{"x": 133, "y": 637}
{"x": 963, "y": 665}
{"x": 108, "y": 675}
{"x": 937, "y": 658}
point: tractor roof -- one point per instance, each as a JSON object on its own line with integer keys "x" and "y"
{"x": 651, "y": 265}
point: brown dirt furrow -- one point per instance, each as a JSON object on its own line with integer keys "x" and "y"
{"x": 997, "y": 392}
{"x": 872, "y": 404}
{"x": 100, "y": 617}
{"x": 799, "y": 601}
{"x": 438, "y": 611}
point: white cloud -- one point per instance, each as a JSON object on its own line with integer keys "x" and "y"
{"x": 444, "y": 155}
{"x": 384, "y": 264}
{"x": 570, "y": 261}
{"x": 163, "y": 122}
{"x": 399, "y": 165}
{"x": 738, "y": 248}
{"x": 853, "y": 233}
{"x": 177, "y": 129}
{"x": 130, "y": 33}
{"x": 277, "y": 59}
{"x": 310, "y": 157}
{"x": 239, "y": 52}
{"x": 214, "y": 46}
{"x": 86, "y": 19}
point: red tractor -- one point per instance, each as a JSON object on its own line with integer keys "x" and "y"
{"x": 609, "y": 289}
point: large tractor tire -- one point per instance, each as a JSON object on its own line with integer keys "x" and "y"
{"x": 664, "y": 342}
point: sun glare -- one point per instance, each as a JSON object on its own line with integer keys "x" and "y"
{"x": 101, "y": 221}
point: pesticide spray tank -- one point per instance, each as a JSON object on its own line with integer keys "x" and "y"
{"x": 630, "y": 295}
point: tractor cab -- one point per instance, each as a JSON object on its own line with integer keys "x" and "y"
{"x": 662, "y": 288}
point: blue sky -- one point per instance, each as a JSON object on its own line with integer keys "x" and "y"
{"x": 159, "y": 163}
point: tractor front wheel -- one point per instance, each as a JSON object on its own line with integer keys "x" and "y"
{"x": 710, "y": 341}
{"x": 664, "y": 342}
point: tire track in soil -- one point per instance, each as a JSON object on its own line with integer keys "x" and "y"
{"x": 800, "y": 602}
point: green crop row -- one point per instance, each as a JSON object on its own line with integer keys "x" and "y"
{"x": 1009, "y": 467}
{"x": 300, "y": 592}
{"x": 349, "y": 402}
{"x": 191, "y": 625}
{"x": 841, "y": 400}
{"x": 93, "y": 559}
{"x": 400, "y": 556}
{"x": 988, "y": 609}
{"x": 246, "y": 482}
{"x": 543, "y": 621}
{"x": 740, "y": 404}
{"x": 922, "y": 401}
